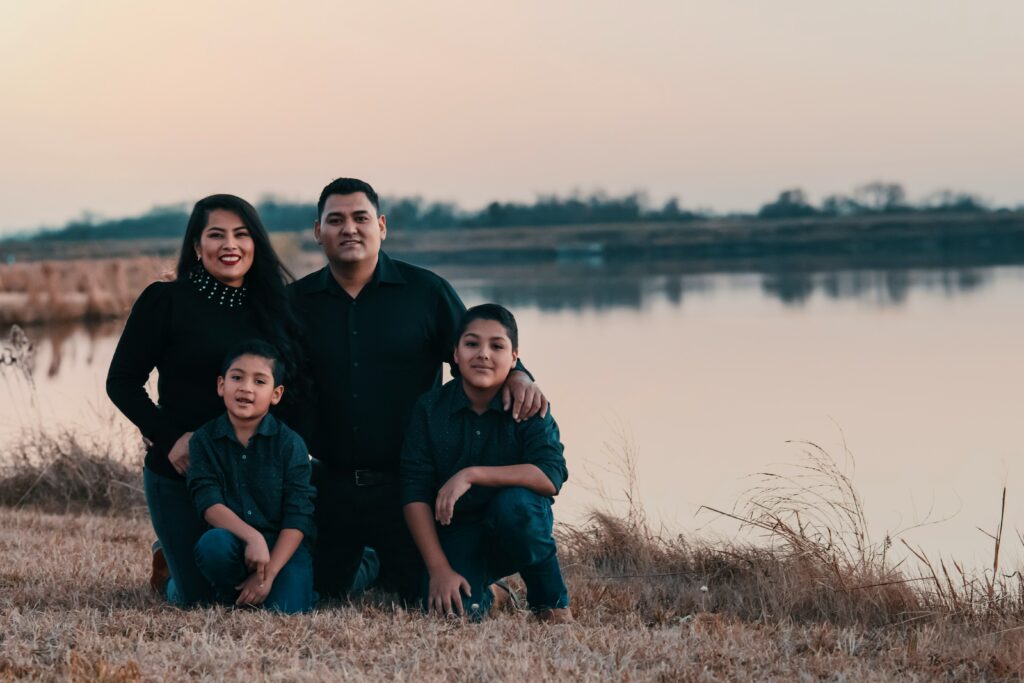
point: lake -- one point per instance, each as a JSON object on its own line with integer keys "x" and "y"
{"x": 910, "y": 379}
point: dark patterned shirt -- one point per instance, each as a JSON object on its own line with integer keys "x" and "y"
{"x": 265, "y": 482}
{"x": 445, "y": 435}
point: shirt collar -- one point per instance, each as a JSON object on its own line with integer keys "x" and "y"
{"x": 386, "y": 272}
{"x": 460, "y": 400}
{"x": 222, "y": 427}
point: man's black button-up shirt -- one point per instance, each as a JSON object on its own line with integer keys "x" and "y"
{"x": 371, "y": 357}
{"x": 265, "y": 482}
{"x": 445, "y": 435}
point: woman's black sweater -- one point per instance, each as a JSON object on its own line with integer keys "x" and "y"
{"x": 183, "y": 329}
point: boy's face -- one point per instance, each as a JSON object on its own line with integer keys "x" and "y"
{"x": 248, "y": 387}
{"x": 484, "y": 354}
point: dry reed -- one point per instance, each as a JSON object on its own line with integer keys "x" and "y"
{"x": 83, "y": 289}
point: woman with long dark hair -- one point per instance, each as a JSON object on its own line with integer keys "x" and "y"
{"x": 230, "y": 286}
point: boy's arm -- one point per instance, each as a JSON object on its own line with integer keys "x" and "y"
{"x": 297, "y": 491}
{"x": 526, "y": 475}
{"x": 446, "y": 585}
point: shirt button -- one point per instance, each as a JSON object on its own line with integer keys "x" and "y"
{"x": 243, "y": 456}
{"x": 355, "y": 364}
{"x": 478, "y": 432}
{"x": 249, "y": 512}
{"x": 355, "y": 332}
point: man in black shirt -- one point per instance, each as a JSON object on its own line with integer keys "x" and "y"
{"x": 378, "y": 331}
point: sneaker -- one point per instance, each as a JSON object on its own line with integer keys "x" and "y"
{"x": 555, "y": 615}
{"x": 161, "y": 574}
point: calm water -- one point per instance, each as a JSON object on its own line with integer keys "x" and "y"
{"x": 707, "y": 378}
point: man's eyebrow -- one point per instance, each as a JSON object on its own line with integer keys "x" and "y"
{"x": 357, "y": 212}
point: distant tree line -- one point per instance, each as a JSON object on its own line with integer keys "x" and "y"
{"x": 415, "y": 213}
{"x": 878, "y": 197}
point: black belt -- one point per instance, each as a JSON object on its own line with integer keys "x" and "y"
{"x": 372, "y": 477}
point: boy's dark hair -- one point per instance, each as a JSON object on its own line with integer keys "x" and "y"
{"x": 346, "y": 186}
{"x": 491, "y": 312}
{"x": 260, "y": 349}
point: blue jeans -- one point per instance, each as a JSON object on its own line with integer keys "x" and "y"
{"x": 220, "y": 556}
{"x": 513, "y": 535}
{"x": 178, "y": 527}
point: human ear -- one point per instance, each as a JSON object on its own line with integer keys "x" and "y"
{"x": 316, "y": 231}
{"x": 275, "y": 397}
{"x": 220, "y": 386}
{"x": 382, "y": 222}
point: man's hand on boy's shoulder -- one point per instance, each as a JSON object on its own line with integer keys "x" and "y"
{"x": 524, "y": 397}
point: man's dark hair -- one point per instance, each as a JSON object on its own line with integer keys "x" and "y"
{"x": 346, "y": 186}
{"x": 491, "y": 312}
{"x": 260, "y": 349}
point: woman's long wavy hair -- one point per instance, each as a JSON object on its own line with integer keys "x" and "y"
{"x": 265, "y": 282}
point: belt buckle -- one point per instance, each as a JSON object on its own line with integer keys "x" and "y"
{"x": 359, "y": 474}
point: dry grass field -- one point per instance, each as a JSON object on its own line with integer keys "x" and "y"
{"x": 800, "y": 605}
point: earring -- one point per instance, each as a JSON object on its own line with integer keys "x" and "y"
{"x": 199, "y": 257}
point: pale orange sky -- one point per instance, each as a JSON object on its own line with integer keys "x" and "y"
{"x": 114, "y": 106}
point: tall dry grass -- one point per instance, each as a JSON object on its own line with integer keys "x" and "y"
{"x": 83, "y": 289}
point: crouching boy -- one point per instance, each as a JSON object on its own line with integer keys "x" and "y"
{"x": 249, "y": 479}
{"x": 477, "y": 486}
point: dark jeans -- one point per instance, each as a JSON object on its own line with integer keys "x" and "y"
{"x": 178, "y": 527}
{"x": 220, "y": 556}
{"x": 512, "y": 534}
{"x": 350, "y": 518}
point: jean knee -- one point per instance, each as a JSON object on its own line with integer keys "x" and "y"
{"x": 521, "y": 518}
{"x": 216, "y": 547}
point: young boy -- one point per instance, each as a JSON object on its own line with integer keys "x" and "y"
{"x": 249, "y": 478}
{"x": 485, "y": 480}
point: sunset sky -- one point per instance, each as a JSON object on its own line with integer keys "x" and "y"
{"x": 115, "y": 106}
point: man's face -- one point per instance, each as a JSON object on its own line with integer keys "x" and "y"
{"x": 349, "y": 229}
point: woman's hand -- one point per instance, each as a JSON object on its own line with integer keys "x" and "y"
{"x": 178, "y": 455}
{"x": 453, "y": 489}
{"x": 445, "y": 592}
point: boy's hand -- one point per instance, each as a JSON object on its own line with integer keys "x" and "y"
{"x": 178, "y": 455}
{"x": 257, "y": 555}
{"x": 254, "y": 590}
{"x": 445, "y": 592}
{"x": 453, "y": 489}
{"x": 524, "y": 396}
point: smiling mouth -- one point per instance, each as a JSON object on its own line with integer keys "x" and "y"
{"x": 230, "y": 260}
{"x": 244, "y": 401}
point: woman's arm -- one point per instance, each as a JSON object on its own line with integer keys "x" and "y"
{"x": 137, "y": 353}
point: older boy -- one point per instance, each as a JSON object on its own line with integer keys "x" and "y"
{"x": 485, "y": 479}
{"x": 249, "y": 479}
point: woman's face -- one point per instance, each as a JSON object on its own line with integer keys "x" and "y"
{"x": 226, "y": 247}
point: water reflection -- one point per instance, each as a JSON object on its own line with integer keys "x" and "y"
{"x": 576, "y": 287}
{"x": 633, "y": 286}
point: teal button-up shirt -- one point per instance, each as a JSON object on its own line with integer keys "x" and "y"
{"x": 265, "y": 482}
{"x": 445, "y": 435}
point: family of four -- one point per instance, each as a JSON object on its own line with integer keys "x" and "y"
{"x": 302, "y": 446}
